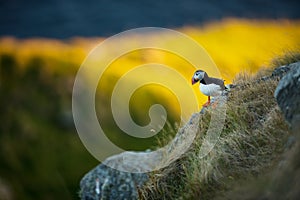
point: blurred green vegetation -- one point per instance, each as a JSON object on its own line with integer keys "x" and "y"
{"x": 41, "y": 154}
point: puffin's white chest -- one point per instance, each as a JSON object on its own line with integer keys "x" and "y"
{"x": 210, "y": 89}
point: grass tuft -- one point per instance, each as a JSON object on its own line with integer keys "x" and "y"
{"x": 287, "y": 58}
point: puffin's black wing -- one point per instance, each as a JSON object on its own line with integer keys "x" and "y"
{"x": 216, "y": 81}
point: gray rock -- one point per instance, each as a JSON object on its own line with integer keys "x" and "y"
{"x": 114, "y": 178}
{"x": 282, "y": 70}
{"x": 107, "y": 183}
{"x": 287, "y": 93}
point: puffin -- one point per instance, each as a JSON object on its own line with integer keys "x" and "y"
{"x": 209, "y": 86}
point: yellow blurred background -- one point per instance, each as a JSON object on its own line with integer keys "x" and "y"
{"x": 235, "y": 45}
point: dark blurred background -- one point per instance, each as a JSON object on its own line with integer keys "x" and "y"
{"x": 63, "y": 19}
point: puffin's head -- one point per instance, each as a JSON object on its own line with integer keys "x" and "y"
{"x": 198, "y": 76}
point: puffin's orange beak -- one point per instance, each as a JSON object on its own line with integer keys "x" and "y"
{"x": 193, "y": 81}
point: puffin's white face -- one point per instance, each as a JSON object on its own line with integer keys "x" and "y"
{"x": 198, "y": 76}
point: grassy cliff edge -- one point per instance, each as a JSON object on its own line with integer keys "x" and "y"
{"x": 251, "y": 144}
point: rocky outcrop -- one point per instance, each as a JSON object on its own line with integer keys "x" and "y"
{"x": 107, "y": 183}
{"x": 113, "y": 179}
{"x": 283, "y": 70}
{"x": 287, "y": 92}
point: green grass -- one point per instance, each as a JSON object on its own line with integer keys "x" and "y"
{"x": 250, "y": 144}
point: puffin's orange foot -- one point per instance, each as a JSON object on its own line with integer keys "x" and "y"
{"x": 206, "y": 104}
